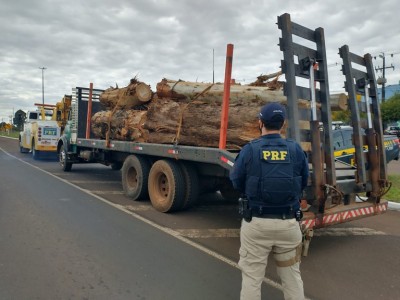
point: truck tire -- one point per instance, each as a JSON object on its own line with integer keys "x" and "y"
{"x": 23, "y": 150}
{"x": 192, "y": 184}
{"x": 135, "y": 176}
{"x": 166, "y": 186}
{"x": 35, "y": 153}
{"x": 63, "y": 159}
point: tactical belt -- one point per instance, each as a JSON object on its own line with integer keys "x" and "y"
{"x": 273, "y": 216}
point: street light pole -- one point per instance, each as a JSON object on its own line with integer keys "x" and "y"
{"x": 42, "y": 68}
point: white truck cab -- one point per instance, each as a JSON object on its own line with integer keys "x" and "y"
{"x": 40, "y": 133}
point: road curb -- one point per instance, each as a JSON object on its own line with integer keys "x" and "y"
{"x": 394, "y": 205}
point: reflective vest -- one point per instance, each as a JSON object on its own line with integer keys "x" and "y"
{"x": 272, "y": 184}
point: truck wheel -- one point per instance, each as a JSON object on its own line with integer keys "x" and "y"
{"x": 63, "y": 158}
{"x": 35, "y": 153}
{"x": 23, "y": 150}
{"x": 135, "y": 176}
{"x": 166, "y": 186}
{"x": 116, "y": 166}
{"x": 192, "y": 184}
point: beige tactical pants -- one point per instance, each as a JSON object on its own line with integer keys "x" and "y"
{"x": 258, "y": 238}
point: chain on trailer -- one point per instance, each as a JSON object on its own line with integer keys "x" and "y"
{"x": 364, "y": 83}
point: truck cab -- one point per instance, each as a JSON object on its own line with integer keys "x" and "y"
{"x": 40, "y": 133}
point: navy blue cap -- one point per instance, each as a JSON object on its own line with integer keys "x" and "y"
{"x": 272, "y": 112}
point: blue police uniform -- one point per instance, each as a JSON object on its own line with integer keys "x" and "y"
{"x": 272, "y": 172}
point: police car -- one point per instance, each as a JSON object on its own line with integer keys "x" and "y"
{"x": 344, "y": 148}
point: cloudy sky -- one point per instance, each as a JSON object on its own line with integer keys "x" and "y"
{"x": 108, "y": 42}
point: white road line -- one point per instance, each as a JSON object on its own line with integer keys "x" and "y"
{"x": 63, "y": 174}
{"x": 93, "y": 181}
{"x": 209, "y": 233}
{"x": 141, "y": 207}
{"x": 107, "y": 192}
{"x": 354, "y": 231}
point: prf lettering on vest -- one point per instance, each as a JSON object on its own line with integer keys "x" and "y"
{"x": 274, "y": 155}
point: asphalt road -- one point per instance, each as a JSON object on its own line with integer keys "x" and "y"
{"x": 59, "y": 242}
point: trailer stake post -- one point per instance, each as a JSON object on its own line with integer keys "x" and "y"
{"x": 225, "y": 100}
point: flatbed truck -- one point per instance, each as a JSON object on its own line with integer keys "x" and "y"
{"x": 173, "y": 175}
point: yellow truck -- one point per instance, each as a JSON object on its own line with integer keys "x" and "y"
{"x": 40, "y": 133}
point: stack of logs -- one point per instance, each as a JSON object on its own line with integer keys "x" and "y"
{"x": 188, "y": 113}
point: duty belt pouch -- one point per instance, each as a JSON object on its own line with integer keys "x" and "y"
{"x": 244, "y": 210}
{"x": 248, "y": 216}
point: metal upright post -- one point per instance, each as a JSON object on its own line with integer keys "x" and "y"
{"x": 225, "y": 100}
{"x": 288, "y": 68}
{"x": 350, "y": 87}
{"x": 377, "y": 120}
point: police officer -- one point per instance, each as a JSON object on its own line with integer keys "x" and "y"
{"x": 271, "y": 172}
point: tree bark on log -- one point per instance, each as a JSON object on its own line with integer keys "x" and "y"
{"x": 136, "y": 93}
{"x": 198, "y": 123}
{"x": 240, "y": 95}
{"x": 125, "y": 125}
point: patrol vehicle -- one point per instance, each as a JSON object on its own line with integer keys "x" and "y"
{"x": 172, "y": 175}
{"x": 344, "y": 147}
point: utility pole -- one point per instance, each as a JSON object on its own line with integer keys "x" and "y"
{"x": 213, "y": 65}
{"x": 383, "y": 79}
{"x": 42, "y": 68}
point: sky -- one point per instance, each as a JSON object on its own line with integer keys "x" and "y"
{"x": 109, "y": 42}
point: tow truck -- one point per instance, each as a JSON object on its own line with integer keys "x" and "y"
{"x": 40, "y": 133}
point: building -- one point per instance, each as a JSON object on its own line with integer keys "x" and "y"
{"x": 390, "y": 90}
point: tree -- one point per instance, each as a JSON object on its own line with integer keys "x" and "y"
{"x": 343, "y": 115}
{"x": 19, "y": 119}
{"x": 390, "y": 109}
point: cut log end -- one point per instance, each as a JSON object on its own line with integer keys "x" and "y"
{"x": 143, "y": 92}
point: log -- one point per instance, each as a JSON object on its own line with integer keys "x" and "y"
{"x": 339, "y": 102}
{"x": 135, "y": 94}
{"x": 274, "y": 84}
{"x": 194, "y": 124}
{"x": 197, "y": 124}
{"x": 125, "y": 125}
{"x": 192, "y": 116}
{"x": 240, "y": 95}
